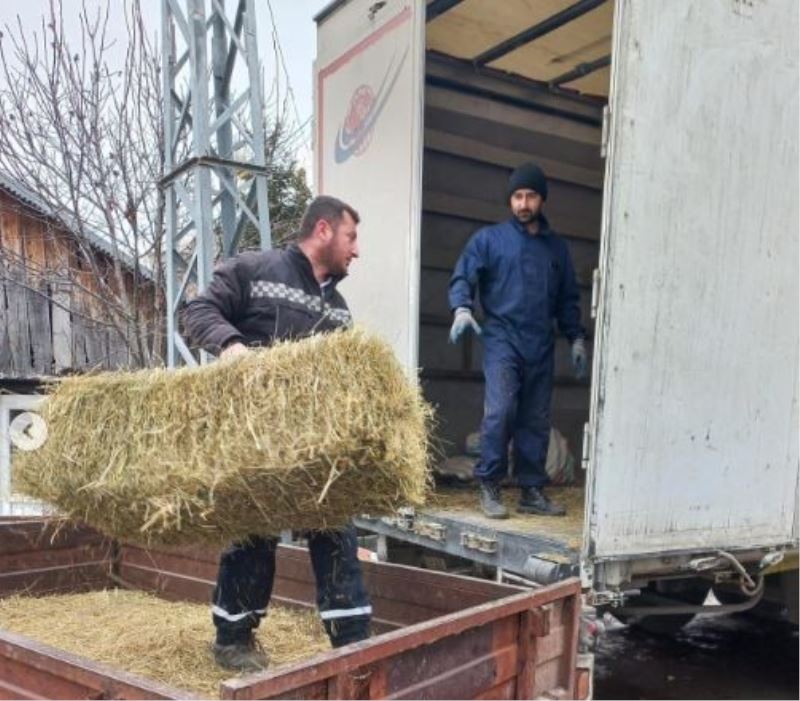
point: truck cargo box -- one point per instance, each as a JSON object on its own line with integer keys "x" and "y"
{"x": 668, "y": 131}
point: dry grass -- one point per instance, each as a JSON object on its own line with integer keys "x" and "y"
{"x": 303, "y": 435}
{"x": 161, "y": 640}
{"x": 569, "y": 528}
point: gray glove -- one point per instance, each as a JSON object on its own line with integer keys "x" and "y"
{"x": 580, "y": 360}
{"x": 462, "y": 321}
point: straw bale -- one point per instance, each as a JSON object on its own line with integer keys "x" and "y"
{"x": 303, "y": 435}
{"x": 162, "y": 640}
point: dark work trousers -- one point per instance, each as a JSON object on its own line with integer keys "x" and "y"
{"x": 247, "y": 572}
{"x": 516, "y": 406}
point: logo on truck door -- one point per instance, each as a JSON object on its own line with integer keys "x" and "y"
{"x": 353, "y": 137}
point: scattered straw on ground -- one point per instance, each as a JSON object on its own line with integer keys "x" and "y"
{"x": 303, "y": 435}
{"x": 465, "y": 501}
{"x": 161, "y": 640}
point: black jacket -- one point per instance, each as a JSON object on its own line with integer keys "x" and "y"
{"x": 261, "y": 297}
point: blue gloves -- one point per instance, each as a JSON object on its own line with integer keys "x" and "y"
{"x": 462, "y": 321}
{"x": 580, "y": 360}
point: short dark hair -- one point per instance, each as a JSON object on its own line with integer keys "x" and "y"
{"x": 324, "y": 207}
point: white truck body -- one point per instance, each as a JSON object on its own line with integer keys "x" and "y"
{"x": 692, "y": 442}
{"x": 368, "y": 97}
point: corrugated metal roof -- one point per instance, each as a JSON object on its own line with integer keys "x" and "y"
{"x": 27, "y": 196}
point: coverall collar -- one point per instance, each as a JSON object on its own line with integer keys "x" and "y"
{"x": 544, "y": 226}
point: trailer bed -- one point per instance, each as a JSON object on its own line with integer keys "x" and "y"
{"x": 436, "y": 635}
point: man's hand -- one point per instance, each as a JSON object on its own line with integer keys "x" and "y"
{"x": 233, "y": 350}
{"x": 580, "y": 361}
{"x": 462, "y": 321}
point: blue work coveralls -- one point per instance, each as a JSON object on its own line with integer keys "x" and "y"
{"x": 525, "y": 283}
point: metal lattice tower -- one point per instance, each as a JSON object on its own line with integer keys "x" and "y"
{"x": 215, "y": 181}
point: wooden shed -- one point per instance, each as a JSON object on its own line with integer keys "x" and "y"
{"x": 52, "y": 317}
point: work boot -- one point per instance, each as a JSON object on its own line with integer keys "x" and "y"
{"x": 490, "y": 501}
{"x": 246, "y": 656}
{"x": 534, "y": 501}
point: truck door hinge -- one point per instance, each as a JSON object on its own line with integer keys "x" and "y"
{"x": 404, "y": 520}
{"x": 481, "y": 543}
{"x": 613, "y": 598}
{"x": 431, "y": 530}
{"x": 587, "y": 439}
{"x": 595, "y": 292}
{"x": 604, "y": 133}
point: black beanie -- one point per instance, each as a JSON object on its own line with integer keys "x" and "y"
{"x": 528, "y": 176}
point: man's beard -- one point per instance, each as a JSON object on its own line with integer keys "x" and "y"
{"x": 333, "y": 266}
{"x": 526, "y": 216}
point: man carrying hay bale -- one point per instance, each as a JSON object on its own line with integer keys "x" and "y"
{"x": 255, "y": 299}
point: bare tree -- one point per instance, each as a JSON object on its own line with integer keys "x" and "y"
{"x": 86, "y": 137}
{"x": 83, "y": 129}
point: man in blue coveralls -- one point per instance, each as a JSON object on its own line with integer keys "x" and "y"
{"x": 525, "y": 277}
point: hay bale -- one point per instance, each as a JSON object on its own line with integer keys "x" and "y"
{"x": 303, "y": 435}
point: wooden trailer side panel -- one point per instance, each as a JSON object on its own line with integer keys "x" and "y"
{"x": 400, "y": 595}
{"x": 31, "y": 670}
{"x": 39, "y": 558}
{"x": 522, "y": 646}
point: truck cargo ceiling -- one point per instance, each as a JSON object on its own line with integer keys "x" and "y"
{"x": 561, "y": 44}
{"x": 439, "y": 7}
{"x": 538, "y": 30}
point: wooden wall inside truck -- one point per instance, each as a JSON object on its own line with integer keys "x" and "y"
{"x": 478, "y": 127}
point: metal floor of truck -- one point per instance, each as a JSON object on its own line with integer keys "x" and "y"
{"x": 452, "y": 522}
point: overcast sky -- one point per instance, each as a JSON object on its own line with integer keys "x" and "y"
{"x": 293, "y": 18}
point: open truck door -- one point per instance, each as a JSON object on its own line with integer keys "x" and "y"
{"x": 694, "y": 414}
{"x": 368, "y": 92}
